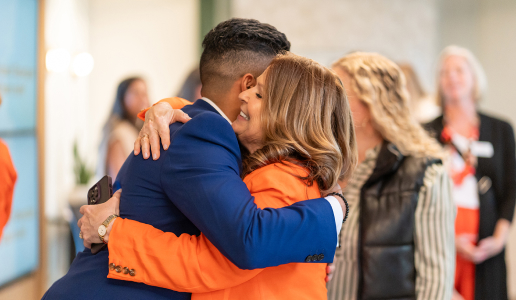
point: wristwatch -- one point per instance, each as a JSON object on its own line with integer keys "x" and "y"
{"x": 103, "y": 228}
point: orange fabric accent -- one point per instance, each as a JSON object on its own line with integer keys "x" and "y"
{"x": 8, "y": 178}
{"x": 458, "y": 177}
{"x": 175, "y": 102}
{"x": 198, "y": 267}
{"x": 467, "y": 222}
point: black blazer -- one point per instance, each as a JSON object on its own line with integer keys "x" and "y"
{"x": 497, "y": 194}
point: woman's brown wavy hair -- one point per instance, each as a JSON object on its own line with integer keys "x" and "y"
{"x": 306, "y": 120}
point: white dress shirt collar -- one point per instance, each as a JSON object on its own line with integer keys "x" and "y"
{"x": 217, "y": 108}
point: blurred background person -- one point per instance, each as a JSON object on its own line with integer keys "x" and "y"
{"x": 482, "y": 166}
{"x": 8, "y": 178}
{"x": 399, "y": 195}
{"x": 122, "y": 126}
{"x": 191, "y": 88}
{"x": 423, "y": 106}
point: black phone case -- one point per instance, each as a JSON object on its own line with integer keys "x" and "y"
{"x": 99, "y": 193}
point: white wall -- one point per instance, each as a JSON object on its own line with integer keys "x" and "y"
{"x": 66, "y": 97}
{"x": 326, "y": 30}
{"x": 157, "y": 39}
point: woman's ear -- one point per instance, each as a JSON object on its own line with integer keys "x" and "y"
{"x": 248, "y": 81}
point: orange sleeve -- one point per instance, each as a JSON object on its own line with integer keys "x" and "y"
{"x": 192, "y": 263}
{"x": 175, "y": 102}
{"x": 187, "y": 263}
{"x": 8, "y": 178}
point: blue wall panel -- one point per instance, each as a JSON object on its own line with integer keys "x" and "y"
{"x": 19, "y": 246}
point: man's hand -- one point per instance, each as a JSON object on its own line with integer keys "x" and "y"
{"x": 157, "y": 120}
{"x": 94, "y": 216}
{"x": 338, "y": 189}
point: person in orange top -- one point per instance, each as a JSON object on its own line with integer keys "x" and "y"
{"x": 286, "y": 163}
{"x": 7, "y": 180}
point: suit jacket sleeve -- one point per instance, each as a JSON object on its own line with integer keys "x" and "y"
{"x": 202, "y": 178}
{"x": 187, "y": 263}
{"x": 198, "y": 266}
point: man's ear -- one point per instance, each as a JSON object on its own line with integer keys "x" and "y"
{"x": 247, "y": 82}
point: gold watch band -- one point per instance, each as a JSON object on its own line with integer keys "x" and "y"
{"x": 109, "y": 220}
{"x": 106, "y": 224}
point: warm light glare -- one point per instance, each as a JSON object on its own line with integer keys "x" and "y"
{"x": 82, "y": 64}
{"x": 57, "y": 60}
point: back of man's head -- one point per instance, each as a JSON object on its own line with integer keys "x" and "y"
{"x": 236, "y": 47}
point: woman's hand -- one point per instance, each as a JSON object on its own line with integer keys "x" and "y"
{"x": 94, "y": 216}
{"x": 487, "y": 248}
{"x": 465, "y": 246}
{"x": 492, "y": 245}
{"x": 156, "y": 127}
{"x": 456, "y": 296}
{"x": 330, "y": 269}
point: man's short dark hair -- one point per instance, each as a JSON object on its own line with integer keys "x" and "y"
{"x": 236, "y": 47}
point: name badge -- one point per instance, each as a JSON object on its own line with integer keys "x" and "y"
{"x": 482, "y": 149}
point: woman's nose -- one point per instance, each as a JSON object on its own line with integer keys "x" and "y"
{"x": 244, "y": 96}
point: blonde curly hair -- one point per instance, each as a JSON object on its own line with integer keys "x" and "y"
{"x": 381, "y": 85}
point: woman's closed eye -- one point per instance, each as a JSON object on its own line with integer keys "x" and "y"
{"x": 258, "y": 95}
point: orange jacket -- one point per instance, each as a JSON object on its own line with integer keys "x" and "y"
{"x": 192, "y": 264}
{"x": 7, "y": 180}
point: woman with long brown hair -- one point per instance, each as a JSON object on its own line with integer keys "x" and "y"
{"x": 398, "y": 241}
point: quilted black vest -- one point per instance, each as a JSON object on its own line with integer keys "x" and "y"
{"x": 386, "y": 236}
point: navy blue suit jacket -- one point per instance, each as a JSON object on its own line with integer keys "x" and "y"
{"x": 201, "y": 176}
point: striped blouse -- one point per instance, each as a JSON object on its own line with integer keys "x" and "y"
{"x": 433, "y": 236}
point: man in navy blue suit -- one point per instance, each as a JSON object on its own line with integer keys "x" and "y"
{"x": 203, "y": 172}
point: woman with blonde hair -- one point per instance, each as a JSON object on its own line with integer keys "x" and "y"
{"x": 398, "y": 240}
{"x": 483, "y": 168}
{"x": 297, "y": 130}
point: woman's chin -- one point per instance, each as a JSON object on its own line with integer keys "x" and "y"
{"x": 237, "y": 127}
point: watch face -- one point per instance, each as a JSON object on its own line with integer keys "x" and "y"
{"x": 102, "y": 230}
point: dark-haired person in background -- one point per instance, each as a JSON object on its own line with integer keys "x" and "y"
{"x": 7, "y": 180}
{"x": 191, "y": 88}
{"x": 196, "y": 187}
{"x": 122, "y": 126}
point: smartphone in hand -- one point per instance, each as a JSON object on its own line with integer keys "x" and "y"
{"x": 99, "y": 193}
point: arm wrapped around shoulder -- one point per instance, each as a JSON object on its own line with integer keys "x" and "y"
{"x": 202, "y": 178}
